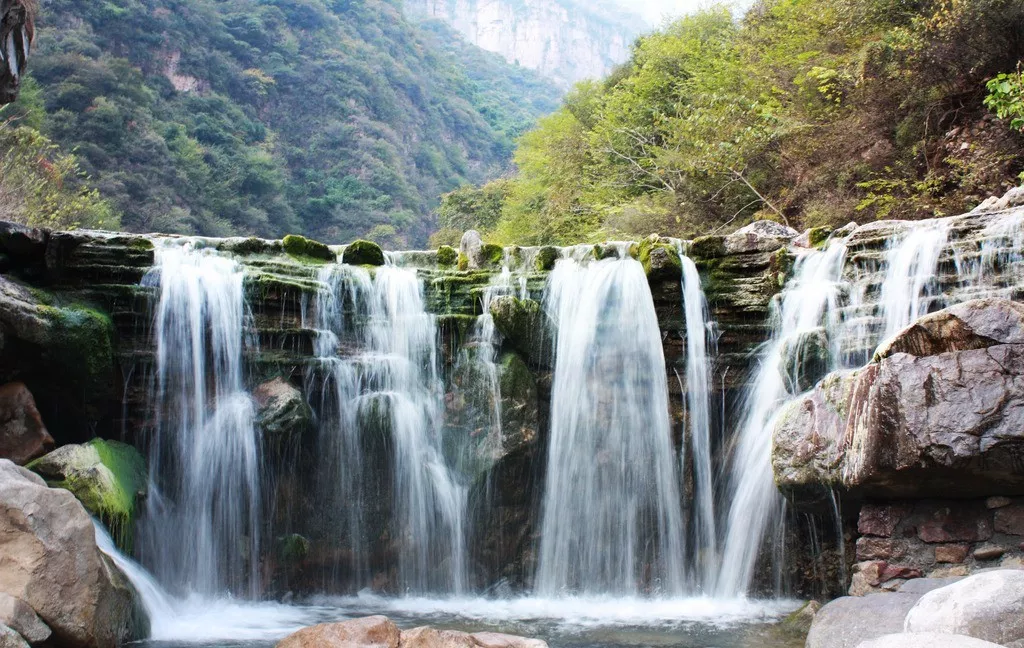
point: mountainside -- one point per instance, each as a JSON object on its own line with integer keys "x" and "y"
{"x": 566, "y": 40}
{"x": 335, "y": 118}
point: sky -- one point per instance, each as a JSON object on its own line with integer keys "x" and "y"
{"x": 655, "y": 11}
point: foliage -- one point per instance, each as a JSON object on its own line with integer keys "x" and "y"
{"x": 1006, "y": 98}
{"x": 809, "y": 112}
{"x": 42, "y": 187}
{"x": 333, "y": 118}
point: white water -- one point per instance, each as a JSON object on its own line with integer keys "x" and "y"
{"x": 611, "y": 518}
{"x": 910, "y": 278}
{"x": 808, "y": 302}
{"x": 699, "y": 356}
{"x": 202, "y": 523}
{"x": 389, "y": 386}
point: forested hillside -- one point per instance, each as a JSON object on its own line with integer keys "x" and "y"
{"x": 811, "y": 112}
{"x": 334, "y": 118}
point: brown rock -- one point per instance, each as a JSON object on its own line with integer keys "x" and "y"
{"x": 427, "y": 637}
{"x": 1010, "y": 519}
{"x": 51, "y": 562}
{"x": 989, "y": 552}
{"x": 956, "y": 523}
{"x": 951, "y": 553}
{"x": 881, "y": 519}
{"x": 870, "y": 548}
{"x": 23, "y": 437}
{"x": 997, "y": 502}
{"x": 977, "y": 324}
{"x": 368, "y": 632}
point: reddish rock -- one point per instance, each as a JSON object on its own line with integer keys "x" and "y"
{"x": 369, "y": 632}
{"x": 23, "y": 437}
{"x": 876, "y": 572}
{"x": 427, "y": 637}
{"x": 989, "y": 552}
{"x": 892, "y": 572}
{"x": 881, "y": 520}
{"x": 871, "y": 548}
{"x": 956, "y": 523}
{"x": 951, "y": 553}
{"x": 1010, "y": 519}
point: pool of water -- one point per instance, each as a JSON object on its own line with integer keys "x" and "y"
{"x": 562, "y": 622}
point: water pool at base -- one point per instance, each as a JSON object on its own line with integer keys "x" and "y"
{"x": 562, "y": 622}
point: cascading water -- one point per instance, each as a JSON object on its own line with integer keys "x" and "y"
{"x": 808, "y": 304}
{"x": 611, "y": 519}
{"x": 699, "y": 355}
{"x": 202, "y": 524}
{"x": 386, "y": 393}
{"x": 910, "y": 278}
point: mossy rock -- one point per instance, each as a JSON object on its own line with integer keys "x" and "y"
{"x": 363, "y": 253}
{"x": 706, "y": 247}
{"x": 107, "y": 477}
{"x": 660, "y": 260}
{"x": 447, "y": 256}
{"x": 546, "y": 257}
{"x": 463, "y": 263}
{"x": 307, "y": 250}
{"x": 817, "y": 236}
{"x": 492, "y": 255}
{"x": 525, "y": 327}
{"x": 249, "y": 246}
{"x": 602, "y": 252}
{"x": 292, "y": 549}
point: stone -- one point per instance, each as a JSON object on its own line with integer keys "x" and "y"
{"x": 925, "y": 585}
{"x": 871, "y": 548}
{"x": 367, "y": 632}
{"x": 23, "y": 437}
{"x": 805, "y": 360}
{"x": 19, "y": 616}
{"x": 660, "y": 260}
{"x": 308, "y": 250}
{"x": 847, "y": 621}
{"x": 955, "y": 572}
{"x": 951, "y": 553}
{"x": 759, "y": 236}
{"x": 363, "y": 253}
{"x": 975, "y": 324}
{"x": 52, "y": 563}
{"x": 282, "y": 413}
{"x": 988, "y": 605}
{"x": 24, "y": 245}
{"x": 9, "y": 638}
{"x": 525, "y": 327}
{"x": 499, "y": 640}
{"x": 870, "y": 575}
{"x": 1010, "y": 519}
{"x": 427, "y": 637}
{"x": 108, "y": 477}
{"x": 447, "y": 256}
{"x": 996, "y": 502}
{"x": 471, "y": 248}
{"x": 926, "y": 640}
{"x": 956, "y": 523}
{"x": 881, "y": 519}
{"x": 989, "y": 552}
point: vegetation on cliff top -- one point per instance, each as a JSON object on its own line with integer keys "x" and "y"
{"x": 813, "y": 112}
{"x": 337, "y": 119}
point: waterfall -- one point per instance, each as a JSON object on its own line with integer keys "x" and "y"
{"x": 383, "y": 394}
{"x": 809, "y": 302}
{"x": 202, "y": 523}
{"x": 611, "y": 520}
{"x": 699, "y": 355}
{"x": 911, "y": 276}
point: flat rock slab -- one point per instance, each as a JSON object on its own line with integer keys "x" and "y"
{"x": 380, "y": 632}
{"x": 927, "y": 640}
{"x": 847, "y": 622}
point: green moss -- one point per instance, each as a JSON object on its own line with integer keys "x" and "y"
{"x": 447, "y": 255}
{"x": 82, "y": 341}
{"x": 707, "y": 247}
{"x": 660, "y": 260}
{"x": 292, "y": 548}
{"x": 817, "y": 236}
{"x": 252, "y": 245}
{"x": 307, "y": 250}
{"x": 546, "y": 258}
{"x": 141, "y": 244}
{"x": 492, "y": 254}
{"x": 363, "y": 253}
{"x": 782, "y": 267}
{"x": 463, "y": 262}
{"x": 106, "y": 476}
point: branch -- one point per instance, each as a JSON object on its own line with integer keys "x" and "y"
{"x": 739, "y": 175}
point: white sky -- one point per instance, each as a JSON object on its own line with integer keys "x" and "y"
{"x": 655, "y": 11}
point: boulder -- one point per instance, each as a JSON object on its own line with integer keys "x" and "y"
{"x": 926, "y": 640}
{"x": 304, "y": 249}
{"x": 988, "y": 605}
{"x": 427, "y": 637}
{"x": 805, "y": 360}
{"x": 9, "y": 638}
{"x": 24, "y": 245}
{"x": 52, "y": 563}
{"x": 23, "y": 437}
{"x": 660, "y": 260}
{"x": 282, "y": 412}
{"x": 499, "y": 640}
{"x": 368, "y": 632}
{"x": 525, "y": 327}
{"x": 20, "y": 617}
{"x": 108, "y": 477}
{"x": 471, "y": 249}
{"x": 759, "y": 236}
{"x": 848, "y": 621}
{"x": 363, "y": 253}
{"x": 942, "y": 402}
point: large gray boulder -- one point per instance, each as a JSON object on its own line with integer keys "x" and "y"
{"x": 20, "y": 617}
{"x": 987, "y": 605}
{"x": 850, "y": 620}
{"x": 759, "y": 236}
{"x": 943, "y": 401}
{"x": 927, "y": 640}
{"x": 51, "y": 562}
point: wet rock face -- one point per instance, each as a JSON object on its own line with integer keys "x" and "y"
{"x": 282, "y": 412}
{"x": 23, "y": 436}
{"x": 943, "y": 400}
{"x": 52, "y": 563}
{"x": 525, "y": 327}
